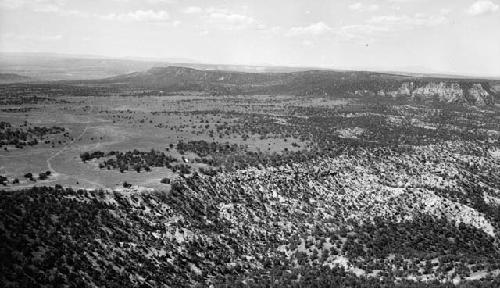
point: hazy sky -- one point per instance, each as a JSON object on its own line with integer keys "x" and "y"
{"x": 458, "y": 36}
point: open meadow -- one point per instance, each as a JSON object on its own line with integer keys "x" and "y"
{"x": 143, "y": 123}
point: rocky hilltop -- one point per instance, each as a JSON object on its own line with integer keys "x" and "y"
{"x": 449, "y": 92}
{"x": 479, "y": 95}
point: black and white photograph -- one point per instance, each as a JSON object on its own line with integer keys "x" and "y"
{"x": 250, "y": 143}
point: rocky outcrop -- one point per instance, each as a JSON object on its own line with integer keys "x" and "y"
{"x": 448, "y": 92}
{"x": 443, "y": 92}
{"x": 479, "y": 96}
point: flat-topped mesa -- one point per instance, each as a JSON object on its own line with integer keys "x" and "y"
{"x": 311, "y": 83}
{"x": 447, "y": 92}
{"x": 442, "y": 91}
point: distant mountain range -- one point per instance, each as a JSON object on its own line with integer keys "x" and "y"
{"x": 52, "y": 66}
{"x": 233, "y": 79}
{"x": 8, "y": 78}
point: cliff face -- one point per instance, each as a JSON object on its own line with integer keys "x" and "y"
{"x": 479, "y": 96}
{"x": 443, "y": 92}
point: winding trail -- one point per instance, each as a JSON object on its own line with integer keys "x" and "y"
{"x": 49, "y": 164}
{"x": 51, "y": 168}
{"x": 60, "y": 150}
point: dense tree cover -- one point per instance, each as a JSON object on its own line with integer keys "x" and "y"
{"x": 324, "y": 276}
{"x": 13, "y": 100}
{"x": 23, "y": 136}
{"x": 87, "y": 156}
{"x": 388, "y": 126}
{"x": 56, "y": 236}
{"x": 130, "y": 160}
{"x": 16, "y": 110}
{"x": 54, "y": 90}
{"x": 434, "y": 247}
{"x": 3, "y": 180}
{"x": 182, "y": 168}
{"x": 204, "y": 148}
{"x": 44, "y": 175}
{"x": 233, "y": 156}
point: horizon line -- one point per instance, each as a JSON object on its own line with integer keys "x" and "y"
{"x": 187, "y": 60}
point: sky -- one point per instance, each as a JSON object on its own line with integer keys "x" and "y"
{"x": 435, "y": 36}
